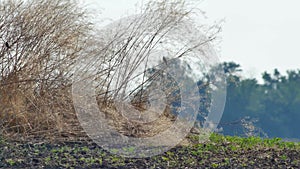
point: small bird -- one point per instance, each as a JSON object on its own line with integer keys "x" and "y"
{"x": 7, "y": 45}
{"x": 165, "y": 60}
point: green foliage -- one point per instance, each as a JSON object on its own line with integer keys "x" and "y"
{"x": 272, "y": 108}
{"x": 11, "y": 162}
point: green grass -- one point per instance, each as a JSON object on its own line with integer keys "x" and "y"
{"x": 219, "y": 152}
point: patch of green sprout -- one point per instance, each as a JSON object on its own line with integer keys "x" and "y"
{"x": 11, "y": 162}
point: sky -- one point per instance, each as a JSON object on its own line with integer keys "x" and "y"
{"x": 259, "y": 35}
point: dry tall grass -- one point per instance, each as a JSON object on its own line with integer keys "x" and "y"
{"x": 40, "y": 42}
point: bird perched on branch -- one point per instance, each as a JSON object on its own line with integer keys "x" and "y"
{"x": 7, "y": 45}
{"x": 165, "y": 60}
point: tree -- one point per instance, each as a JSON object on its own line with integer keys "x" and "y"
{"x": 239, "y": 117}
{"x": 281, "y": 99}
{"x": 274, "y": 105}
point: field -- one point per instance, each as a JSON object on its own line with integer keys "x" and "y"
{"x": 219, "y": 152}
{"x": 58, "y": 69}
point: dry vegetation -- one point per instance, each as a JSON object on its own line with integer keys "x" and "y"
{"x": 40, "y": 43}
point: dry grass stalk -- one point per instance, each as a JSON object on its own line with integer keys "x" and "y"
{"x": 40, "y": 41}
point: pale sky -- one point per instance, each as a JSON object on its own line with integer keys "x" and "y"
{"x": 258, "y": 34}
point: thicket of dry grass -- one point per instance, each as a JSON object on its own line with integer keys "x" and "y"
{"x": 41, "y": 40}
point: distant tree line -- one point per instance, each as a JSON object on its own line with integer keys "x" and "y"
{"x": 269, "y": 109}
